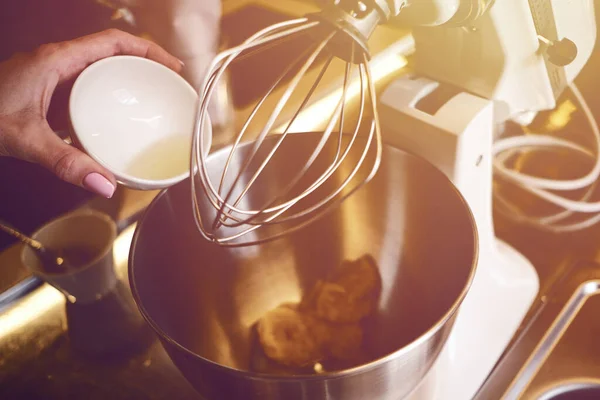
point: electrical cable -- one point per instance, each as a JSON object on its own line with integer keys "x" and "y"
{"x": 504, "y": 149}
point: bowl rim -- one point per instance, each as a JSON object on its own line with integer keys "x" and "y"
{"x": 433, "y": 329}
{"x": 123, "y": 178}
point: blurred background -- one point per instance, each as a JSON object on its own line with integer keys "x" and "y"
{"x": 30, "y": 196}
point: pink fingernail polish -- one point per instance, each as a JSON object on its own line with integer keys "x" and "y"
{"x": 98, "y": 184}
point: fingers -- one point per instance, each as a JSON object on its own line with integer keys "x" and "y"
{"x": 71, "y": 165}
{"x": 74, "y": 56}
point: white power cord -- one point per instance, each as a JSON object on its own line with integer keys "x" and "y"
{"x": 503, "y": 149}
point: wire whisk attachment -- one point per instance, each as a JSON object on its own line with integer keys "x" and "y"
{"x": 255, "y": 192}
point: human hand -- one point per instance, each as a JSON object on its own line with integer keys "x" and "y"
{"x": 27, "y": 82}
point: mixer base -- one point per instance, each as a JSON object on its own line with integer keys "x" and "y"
{"x": 457, "y": 138}
{"x": 500, "y": 296}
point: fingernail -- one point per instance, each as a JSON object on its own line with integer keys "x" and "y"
{"x": 96, "y": 183}
{"x": 181, "y": 62}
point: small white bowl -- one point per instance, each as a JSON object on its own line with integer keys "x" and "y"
{"x": 135, "y": 117}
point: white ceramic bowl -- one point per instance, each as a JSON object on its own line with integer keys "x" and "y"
{"x": 135, "y": 117}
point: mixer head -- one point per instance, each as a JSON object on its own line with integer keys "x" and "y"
{"x": 239, "y": 191}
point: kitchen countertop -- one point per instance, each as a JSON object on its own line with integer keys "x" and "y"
{"x": 37, "y": 360}
{"x": 556, "y": 349}
{"x": 125, "y": 206}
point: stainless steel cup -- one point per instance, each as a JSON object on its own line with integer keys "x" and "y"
{"x": 89, "y": 229}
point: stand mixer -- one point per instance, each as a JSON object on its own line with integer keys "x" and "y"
{"x": 511, "y": 74}
{"x": 478, "y": 64}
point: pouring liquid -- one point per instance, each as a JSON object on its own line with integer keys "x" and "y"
{"x": 165, "y": 159}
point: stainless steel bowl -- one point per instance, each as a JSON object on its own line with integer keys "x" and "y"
{"x": 202, "y": 300}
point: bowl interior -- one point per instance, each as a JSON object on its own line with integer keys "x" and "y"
{"x": 135, "y": 117}
{"x": 207, "y": 298}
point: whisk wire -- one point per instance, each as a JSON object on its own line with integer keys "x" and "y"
{"x": 267, "y": 208}
{"x": 321, "y": 144}
{"x": 316, "y": 152}
{"x": 197, "y": 158}
{"x": 337, "y": 162}
{"x": 255, "y": 111}
{"x": 375, "y": 120}
{"x": 329, "y": 172}
{"x": 230, "y": 215}
{"x": 374, "y": 130}
{"x": 265, "y": 131}
{"x": 220, "y": 63}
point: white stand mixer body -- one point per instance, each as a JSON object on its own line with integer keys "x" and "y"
{"x": 458, "y": 140}
{"x": 503, "y": 70}
{"x": 503, "y": 55}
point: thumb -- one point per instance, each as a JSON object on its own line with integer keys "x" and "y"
{"x": 72, "y": 165}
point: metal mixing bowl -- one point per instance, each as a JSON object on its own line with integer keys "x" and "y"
{"x": 202, "y": 300}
